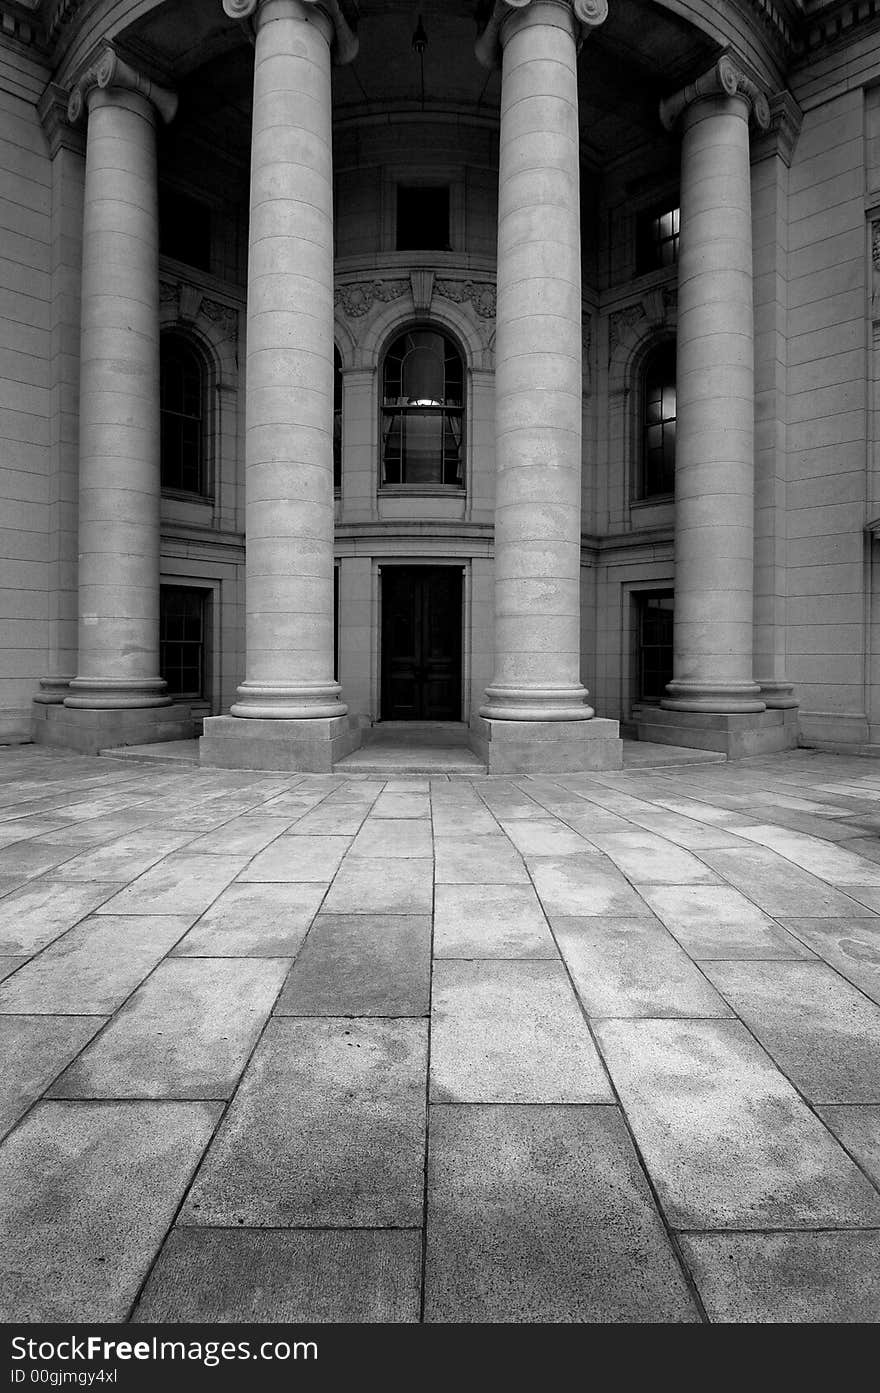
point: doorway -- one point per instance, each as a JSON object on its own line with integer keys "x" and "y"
{"x": 421, "y": 643}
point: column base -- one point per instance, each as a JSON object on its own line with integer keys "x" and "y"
{"x": 54, "y": 689}
{"x": 778, "y": 695}
{"x": 737, "y": 735}
{"x": 116, "y": 694}
{"x": 546, "y": 747}
{"x": 725, "y": 698}
{"x": 297, "y": 746}
{"x": 89, "y": 731}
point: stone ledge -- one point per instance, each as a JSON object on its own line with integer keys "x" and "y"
{"x": 737, "y": 736}
{"x": 301, "y": 746}
{"x": 546, "y": 747}
{"x": 90, "y": 732}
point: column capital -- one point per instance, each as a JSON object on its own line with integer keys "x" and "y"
{"x": 587, "y": 14}
{"x": 109, "y": 70}
{"x": 726, "y": 78}
{"x": 344, "y": 46}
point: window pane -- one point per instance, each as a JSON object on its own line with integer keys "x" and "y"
{"x": 181, "y": 403}
{"x": 423, "y": 373}
{"x": 182, "y": 640}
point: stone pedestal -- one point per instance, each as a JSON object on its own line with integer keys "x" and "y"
{"x": 546, "y": 747}
{"x": 89, "y": 732}
{"x": 311, "y": 746}
{"x": 736, "y": 735}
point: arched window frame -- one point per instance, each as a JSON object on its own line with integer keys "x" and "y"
{"x": 654, "y": 474}
{"x": 176, "y": 424}
{"x": 398, "y": 417}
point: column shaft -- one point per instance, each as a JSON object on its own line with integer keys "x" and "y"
{"x": 119, "y": 486}
{"x": 538, "y": 375}
{"x": 289, "y": 401}
{"x": 714, "y": 466}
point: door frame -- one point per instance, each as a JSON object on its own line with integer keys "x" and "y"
{"x": 424, "y": 563}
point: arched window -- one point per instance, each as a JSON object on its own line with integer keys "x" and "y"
{"x": 337, "y": 419}
{"x": 657, "y": 474}
{"x": 422, "y": 411}
{"x": 182, "y": 383}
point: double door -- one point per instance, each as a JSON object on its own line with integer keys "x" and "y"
{"x": 421, "y": 643}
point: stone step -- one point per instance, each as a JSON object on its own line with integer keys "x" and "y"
{"x": 398, "y": 757}
{"x": 171, "y": 752}
{"x": 649, "y": 754}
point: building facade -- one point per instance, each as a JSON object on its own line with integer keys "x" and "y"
{"x": 508, "y": 364}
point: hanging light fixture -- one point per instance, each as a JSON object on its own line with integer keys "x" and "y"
{"x": 419, "y": 44}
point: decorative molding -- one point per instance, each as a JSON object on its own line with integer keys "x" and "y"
{"x": 480, "y": 294}
{"x": 21, "y": 28}
{"x": 724, "y": 78}
{"x": 780, "y": 138}
{"x": 52, "y": 111}
{"x": 190, "y": 304}
{"x": 422, "y": 284}
{"x": 344, "y": 47}
{"x": 588, "y": 14}
{"x": 621, "y": 320}
{"x": 358, "y": 299}
{"x": 656, "y": 308}
{"x": 107, "y": 69}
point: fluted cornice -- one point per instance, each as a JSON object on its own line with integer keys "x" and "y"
{"x": 345, "y": 40}
{"x": 725, "y": 77}
{"x": 109, "y": 70}
{"x": 588, "y": 14}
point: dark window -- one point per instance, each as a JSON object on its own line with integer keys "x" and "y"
{"x": 185, "y": 229}
{"x": 422, "y": 410}
{"x": 337, "y": 419}
{"x": 182, "y": 415}
{"x": 655, "y": 644}
{"x": 658, "y": 422}
{"x": 657, "y": 238}
{"x": 182, "y": 640}
{"x": 422, "y": 218}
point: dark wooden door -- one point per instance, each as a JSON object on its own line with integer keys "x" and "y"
{"x": 421, "y": 643}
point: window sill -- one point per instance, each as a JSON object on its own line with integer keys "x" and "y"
{"x": 182, "y": 496}
{"x": 655, "y": 500}
{"x": 423, "y": 490}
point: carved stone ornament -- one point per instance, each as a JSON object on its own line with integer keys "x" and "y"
{"x": 109, "y": 70}
{"x": 358, "y": 299}
{"x": 480, "y": 294}
{"x": 345, "y": 40}
{"x": 725, "y": 77}
{"x": 190, "y": 304}
{"x": 619, "y": 321}
{"x": 588, "y": 13}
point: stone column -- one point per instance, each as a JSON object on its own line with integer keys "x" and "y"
{"x": 535, "y": 715}
{"x": 715, "y": 440}
{"x": 118, "y": 683}
{"x": 713, "y": 699}
{"x": 288, "y": 713}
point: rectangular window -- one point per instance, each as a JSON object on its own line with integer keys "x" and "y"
{"x": 182, "y": 640}
{"x": 657, "y": 233}
{"x": 422, "y": 218}
{"x": 655, "y": 615}
{"x": 185, "y": 229}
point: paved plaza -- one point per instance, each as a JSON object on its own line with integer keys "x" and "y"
{"x": 349, "y": 1047}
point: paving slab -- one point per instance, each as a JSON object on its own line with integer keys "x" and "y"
{"x": 125, "y": 857}
{"x": 451, "y": 819}
{"x": 478, "y": 861}
{"x": 787, "y": 1277}
{"x": 361, "y": 965}
{"x": 396, "y": 803}
{"x": 381, "y": 885}
{"x": 327, "y": 1129}
{"x": 490, "y": 921}
{"x": 633, "y": 967}
{"x": 727, "y": 1141}
{"x": 646, "y": 858}
{"x": 511, "y": 1032}
{"x": 543, "y": 1214}
{"x": 851, "y": 945}
{"x": 682, "y": 831}
{"x": 333, "y": 819}
{"x": 245, "y": 835}
{"x": 394, "y": 837}
{"x": 92, "y": 968}
{"x": 544, "y": 837}
{"x": 180, "y": 884}
{"x": 87, "y": 1192}
{"x": 821, "y": 1031}
{"x": 583, "y": 885}
{"x": 835, "y": 864}
{"x": 10, "y": 965}
{"x": 34, "y": 1050}
{"x": 285, "y": 1276}
{"x": 258, "y": 920}
{"x": 186, "y": 1033}
{"x": 775, "y": 884}
{"x": 32, "y": 917}
{"x": 716, "y": 921}
{"x": 24, "y": 860}
{"x": 297, "y": 858}
{"x": 858, "y": 1128}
